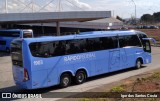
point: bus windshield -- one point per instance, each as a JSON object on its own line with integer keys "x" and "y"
{"x": 16, "y": 52}
{"x": 27, "y": 34}
{"x": 146, "y": 46}
{"x": 8, "y": 35}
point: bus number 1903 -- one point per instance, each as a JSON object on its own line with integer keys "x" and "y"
{"x": 39, "y": 62}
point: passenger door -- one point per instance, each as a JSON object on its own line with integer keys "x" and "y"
{"x": 114, "y": 60}
{"x": 124, "y": 58}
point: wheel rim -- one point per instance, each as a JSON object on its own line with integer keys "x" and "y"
{"x": 138, "y": 64}
{"x": 65, "y": 81}
{"x": 81, "y": 77}
{"x": 7, "y": 50}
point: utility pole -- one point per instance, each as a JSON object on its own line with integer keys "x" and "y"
{"x": 135, "y": 11}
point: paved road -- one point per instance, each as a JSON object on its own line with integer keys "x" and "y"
{"x": 7, "y": 84}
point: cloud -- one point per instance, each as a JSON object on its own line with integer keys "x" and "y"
{"x": 82, "y": 5}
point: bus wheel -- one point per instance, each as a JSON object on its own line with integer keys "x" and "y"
{"x": 138, "y": 64}
{"x": 7, "y": 50}
{"x": 65, "y": 80}
{"x": 80, "y": 77}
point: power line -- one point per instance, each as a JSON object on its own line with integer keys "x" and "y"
{"x": 45, "y": 5}
{"x": 74, "y": 5}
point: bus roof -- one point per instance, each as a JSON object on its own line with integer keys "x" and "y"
{"x": 82, "y": 35}
{"x": 15, "y": 29}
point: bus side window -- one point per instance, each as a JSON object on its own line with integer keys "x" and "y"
{"x": 82, "y": 45}
{"x": 59, "y": 48}
{"x": 34, "y": 47}
{"x": 134, "y": 41}
{"x": 73, "y": 47}
{"x": 89, "y": 45}
{"x": 27, "y": 35}
{"x": 109, "y": 42}
{"x": 129, "y": 40}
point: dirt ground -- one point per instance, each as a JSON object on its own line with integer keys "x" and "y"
{"x": 153, "y": 33}
{"x": 147, "y": 82}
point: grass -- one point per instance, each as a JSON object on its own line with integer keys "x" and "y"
{"x": 120, "y": 88}
{"x": 156, "y": 75}
{"x": 139, "y": 82}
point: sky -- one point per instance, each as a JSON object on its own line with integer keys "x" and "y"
{"x": 122, "y": 8}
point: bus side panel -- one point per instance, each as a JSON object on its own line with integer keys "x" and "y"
{"x": 53, "y": 66}
{"x": 114, "y": 60}
{"x": 148, "y": 58}
{"x": 39, "y": 79}
{"x": 3, "y": 46}
{"x": 27, "y": 64}
{"x": 64, "y": 66}
{"x": 36, "y": 68}
{"x": 39, "y": 72}
{"x": 102, "y": 62}
{"x": 53, "y": 78}
{"x": 21, "y": 34}
{"x": 123, "y": 58}
{"x": 131, "y": 56}
{"x": 85, "y": 65}
{"x": 139, "y": 53}
{"x": 79, "y": 61}
{"x": 8, "y": 43}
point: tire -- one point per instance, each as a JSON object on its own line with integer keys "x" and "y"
{"x": 80, "y": 77}
{"x": 7, "y": 50}
{"x": 65, "y": 80}
{"x": 138, "y": 64}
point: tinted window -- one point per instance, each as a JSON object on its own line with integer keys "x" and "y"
{"x": 146, "y": 46}
{"x": 72, "y": 46}
{"x": 59, "y": 48}
{"x": 129, "y": 40}
{"x": 16, "y": 46}
{"x": 109, "y": 42}
{"x": 141, "y": 36}
{"x": 9, "y": 33}
{"x": 16, "y": 53}
{"x": 47, "y": 49}
{"x": 93, "y": 44}
{"x": 27, "y": 34}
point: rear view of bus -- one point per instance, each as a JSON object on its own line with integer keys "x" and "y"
{"x": 20, "y": 74}
{"x": 6, "y": 36}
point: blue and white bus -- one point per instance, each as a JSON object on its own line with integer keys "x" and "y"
{"x": 43, "y": 62}
{"x": 6, "y": 36}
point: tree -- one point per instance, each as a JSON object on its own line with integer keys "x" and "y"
{"x": 119, "y": 18}
{"x": 147, "y": 18}
{"x": 157, "y": 16}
